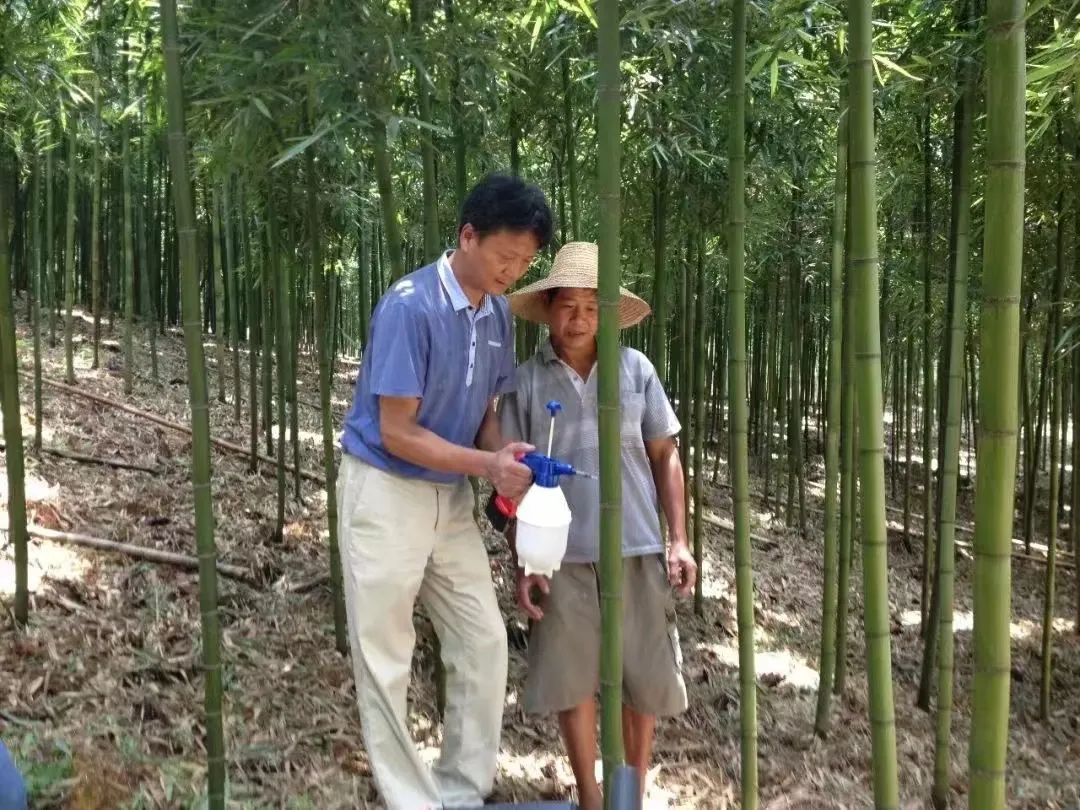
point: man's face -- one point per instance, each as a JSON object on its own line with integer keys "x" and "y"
{"x": 497, "y": 261}
{"x": 573, "y": 318}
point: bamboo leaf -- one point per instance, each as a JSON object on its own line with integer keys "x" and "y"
{"x": 587, "y": 10}
{"x": 1034, "y": 8}
{"x": 300, "y": 146}
{"x": 536, "y": 31}
{"x": 891, "y": 65}
{"x": 261, "y": 105}
{"x": 1046, "y": 71}
{"x": 759, "y": 64}
{"x": 791, "y": 56}
{"x": 774, "y": 76}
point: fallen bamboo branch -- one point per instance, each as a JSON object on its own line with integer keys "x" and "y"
{"x": 108, "y": 462}
{"x": 306, "y": 586}
{"x": 730, "y": 527}
{"x": 1019, "y": 555}
{"x": 221, "y": 444}
{"x": 151, "y": 554}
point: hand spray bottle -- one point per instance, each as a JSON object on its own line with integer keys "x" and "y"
{"x": 543, "y": 516}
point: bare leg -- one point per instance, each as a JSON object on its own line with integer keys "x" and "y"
{"x": 638, "y": 740}
{"x": 578, "y": 726}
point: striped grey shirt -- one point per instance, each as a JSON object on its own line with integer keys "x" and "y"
{"x": 646, "y": 415}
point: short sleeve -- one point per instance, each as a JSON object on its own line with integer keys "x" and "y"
{"x": 658, "y": 420}
{"x": 513, "y": 409}
{"x": 505, "y": 380}
{"x": 398, "y": 353}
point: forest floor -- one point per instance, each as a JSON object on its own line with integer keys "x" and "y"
{"x": 101, "y": 699}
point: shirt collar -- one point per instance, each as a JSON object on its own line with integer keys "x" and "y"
{"x": 548, "y": 355}
{"x": 547, "y": 352}
{"x": 458, "y": 299}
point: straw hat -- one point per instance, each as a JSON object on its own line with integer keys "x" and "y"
{"x": 576, "y": 266}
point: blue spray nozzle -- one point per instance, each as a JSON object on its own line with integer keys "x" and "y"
{"x": 554, "y": 406}
{"x": 546, "y": 470}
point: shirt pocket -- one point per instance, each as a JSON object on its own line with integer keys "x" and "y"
{"x": 632, "y": 412}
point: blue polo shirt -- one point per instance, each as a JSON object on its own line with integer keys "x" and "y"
{"x": 427, "y": 341}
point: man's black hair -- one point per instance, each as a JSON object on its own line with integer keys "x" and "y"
{"x": 505, "y": 202}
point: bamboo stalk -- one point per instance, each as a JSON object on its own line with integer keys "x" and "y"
{"x": 997, "y": 400}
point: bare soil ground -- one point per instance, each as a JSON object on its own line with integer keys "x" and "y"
{"x": 101, "y": 699}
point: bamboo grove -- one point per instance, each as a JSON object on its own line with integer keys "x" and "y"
{"x": 858, "y": 225}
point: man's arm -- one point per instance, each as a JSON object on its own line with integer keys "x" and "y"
{"x": 668, "y": 475}
{"x": 405, "y": 438}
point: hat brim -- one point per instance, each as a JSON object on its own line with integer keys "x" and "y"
{"x": 530, "y": 303}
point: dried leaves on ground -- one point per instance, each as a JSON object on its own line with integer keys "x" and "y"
{"x": 102, "y": 696}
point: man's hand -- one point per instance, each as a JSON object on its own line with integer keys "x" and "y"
{"x": 682, "y": 570}
{"x": 508, "y": 475}
{"x": 525, "y": 585}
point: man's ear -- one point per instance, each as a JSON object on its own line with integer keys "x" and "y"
{"x": 468, "y": 237}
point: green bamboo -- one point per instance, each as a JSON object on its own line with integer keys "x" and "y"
{"x": 95, "y": 226}
{"x": 266, "y": 286}
{"x": 255, "y": 328}
{"x": 128, "y": 236}
{"x": 9, "y": 399}
{"x": 783, "y": 371}
{"x": 699, "y": 421}
{"x": 909, "y": 363}
{"x": 950, "y": 460}
{"x": 35, "y": 239}
{"x": 996, "y": 461}
{"x": 848, "y": 443}
{"x": 686, "y": 370}
{"x": 457, "y": 111}
{"x": 928, "y": 381}
{"x": 234, "y": 296}
{"x": 385, "y": 182}
{"x": 318, "y": 274}
{"x": 216, "y": 269}
{"x": 660, "y": 278}
{"x": 200, "y": 422}
{"x": 571, "y": 146}
{"x": 1056, "y": 397}
{"x": 427, "y": 149}
{"x": 363, "y": 272}
{"x": 1074, "y": 518}
{"x": 832, "y": 426}
{"x": 608, "y": 117}
{"x": 771, "y": 336}
{"x": 69, "y": 254}
{"x": 152, "y": 278}
{"x": 283, "y": 357}
{"x": 738, "y": 449}
{"x": 867, "y": 344}
{"x": 50, "y": 242}
{"x": 796, "y": 480}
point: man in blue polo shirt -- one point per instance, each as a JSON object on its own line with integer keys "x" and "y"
{"x": 440, "y": 349}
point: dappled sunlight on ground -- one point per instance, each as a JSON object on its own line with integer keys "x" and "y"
{"x": 777, "y": 666}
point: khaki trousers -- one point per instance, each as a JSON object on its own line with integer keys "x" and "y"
{"x": 403, "y": 538}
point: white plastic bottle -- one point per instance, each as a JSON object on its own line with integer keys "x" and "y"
{"x": 543, "y": 523}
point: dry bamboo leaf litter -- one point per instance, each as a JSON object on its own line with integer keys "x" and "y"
{"x": 110, "y": 665}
